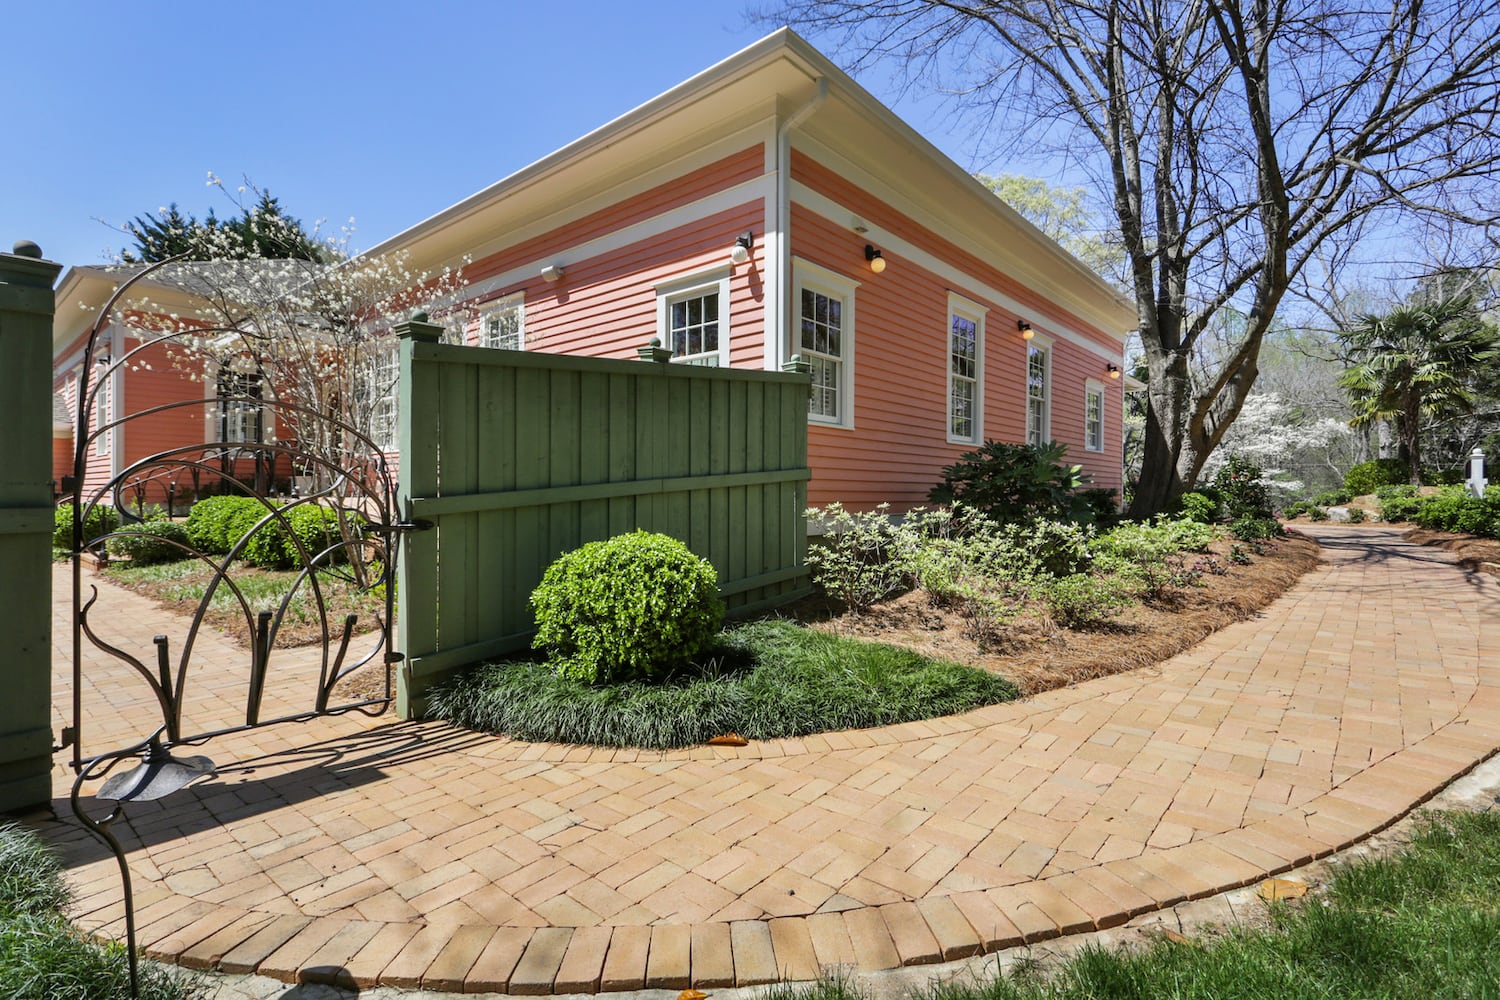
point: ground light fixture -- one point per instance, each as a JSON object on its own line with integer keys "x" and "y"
{"x": 743, "y": 244}
{"x": 877, "y": 262}
{"x": 1025, "y": 327}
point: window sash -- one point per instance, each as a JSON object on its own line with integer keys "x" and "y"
{"x": 963, "y": 376}
{"x": 240, "y": 407}
{"x": 822, "y": 344}
{"x": 1036, "y": 395}
{"x": 503, "y": 325}
{"x": 693, "y": 327}
{"x": 1093, "y": 420}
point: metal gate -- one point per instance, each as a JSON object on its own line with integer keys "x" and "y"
{"x": 275, "y": 457}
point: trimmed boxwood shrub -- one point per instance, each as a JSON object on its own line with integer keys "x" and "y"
{"x": 208, "y": 523}
{"x": 98, "y": 520}
{"x": 148, "y": 542}
{"x": 1367, "y": 477}
{"x": 626, "y": 608}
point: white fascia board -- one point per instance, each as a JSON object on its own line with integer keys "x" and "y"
{"x": 886, "y": 240}
{"x": 1060, "y": 270}
{"x": 702, "y": 156}
{"x": 619, "y": 239}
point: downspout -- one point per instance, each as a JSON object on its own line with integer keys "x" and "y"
{"x": 784, "y": 219}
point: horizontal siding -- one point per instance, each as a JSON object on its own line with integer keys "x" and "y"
{"x": 898, "y": 445}
{"x": 737, "y": 168}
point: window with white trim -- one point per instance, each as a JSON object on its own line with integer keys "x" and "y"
{"x": 502, "y": 324}
{"x": 1093, "y": 416}
{"x": 376, "y": 401}
{"x": 1038, "y": 393}
{"x": 965, "y": 371}
{"x": 101, "y": 410}
{"x": 692, "y": 318}
{"x": 240, "y": 406}
{"x": 825, "y": 339}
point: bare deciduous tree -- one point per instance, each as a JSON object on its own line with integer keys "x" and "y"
{"x": 1238, "y": 143}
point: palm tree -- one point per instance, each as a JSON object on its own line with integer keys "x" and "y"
{"x": 1418, "y": 361}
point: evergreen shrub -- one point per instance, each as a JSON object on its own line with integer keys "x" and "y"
{"x": 627, "y": 608}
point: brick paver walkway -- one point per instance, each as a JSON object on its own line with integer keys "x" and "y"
{"x": 375, "y": 851}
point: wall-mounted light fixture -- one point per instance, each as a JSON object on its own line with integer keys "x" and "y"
{"x": 877, "y": 262}
{"x": 1114, "y": 370}
{"x": 743, "y": 244}
{"x": 552, "y": 272}
{"x": 1025, "y": 327}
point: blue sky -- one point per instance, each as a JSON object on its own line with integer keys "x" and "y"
{"x": 382, "y": 111}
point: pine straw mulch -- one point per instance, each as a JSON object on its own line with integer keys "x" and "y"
{"x": 1039, "y": 656}
{"x": 1474, "y": 553}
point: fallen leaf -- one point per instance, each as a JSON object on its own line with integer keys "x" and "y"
{"x": 692, "y": 994}
{"x": 1172, "y": 935}
{"x": 727, "y": 740}
{"x": 1273, "y": 889}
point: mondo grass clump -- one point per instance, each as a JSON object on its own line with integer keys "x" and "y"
{"x": 764, "y": 680}
{"x": 42, "y": 957}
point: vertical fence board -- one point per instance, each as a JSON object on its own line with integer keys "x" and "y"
{"x": 515, "y": 458}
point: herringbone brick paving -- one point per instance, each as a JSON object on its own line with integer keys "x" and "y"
{"x": 372, "y": 851}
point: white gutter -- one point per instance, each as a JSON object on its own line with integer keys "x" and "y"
{"x": 784, "y": 221}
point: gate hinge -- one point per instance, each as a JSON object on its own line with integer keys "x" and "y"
{"x": 416, "y": 524}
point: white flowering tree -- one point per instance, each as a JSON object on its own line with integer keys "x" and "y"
{"x": 305, "y": 338}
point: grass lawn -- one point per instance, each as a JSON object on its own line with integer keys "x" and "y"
{"x": 180, "y": 586}
{"x": 1423, "y": 922}
{"x": 764, "y": 680}
{"x": 42, "y": 957}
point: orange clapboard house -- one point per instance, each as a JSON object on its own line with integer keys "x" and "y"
{"x": 737, "y": 217}
{"x": 771, "y": 207}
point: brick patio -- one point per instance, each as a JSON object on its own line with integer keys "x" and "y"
{"x": 365, "y": 851}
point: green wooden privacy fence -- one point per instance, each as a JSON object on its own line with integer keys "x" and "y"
{"x": 513, "y": 458}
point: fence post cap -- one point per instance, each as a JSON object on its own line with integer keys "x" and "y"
{"x": 26, "y": 248}
{"x": 653, "y": 351}
{"x": 417, "y": 328}
{"x": 797, "y": 363}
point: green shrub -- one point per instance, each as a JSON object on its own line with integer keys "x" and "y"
{"x": 1367, "y": 477}
{"x": 1332, "y": 498}
{"x": 1242, "y": 488}
{"x": 1317, "y": 513}
{"x": 1017, "y": 482}
{"x": 1401, "y": 506}
{"x": 1357, "y": 515}
{"x": 1389, "y": 492}
{"x": 99, "y": 519}
{"x": 1082, "y": 600}
{"x": 626, "y": 608}
{"x": 862, "y": 557}
{"x": 148, "y": 542}
{"x": 1148, "y": 553}
{"x": 1255, "y": 529}
{"x": 1455, "y": 509}
{"x": 1199, "y": 507}
{"x": 209, "y": 522}
{"x": 1297, "y": 509}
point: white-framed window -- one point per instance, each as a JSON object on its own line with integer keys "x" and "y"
{"x": 376, "y": 401}
{"x": 1093, "y": 416}
{"x": 692, "y": 318}
{"x": 824, "y": 304}
{"x": 240, "y": 406}
{"x": 1038, "y": 391}
{"x": 965, "y": 371}
{"x": 101, "y": 410}
{"x": 503, "y": 323}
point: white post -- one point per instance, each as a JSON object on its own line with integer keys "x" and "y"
{"x": 1476, "y": 481}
